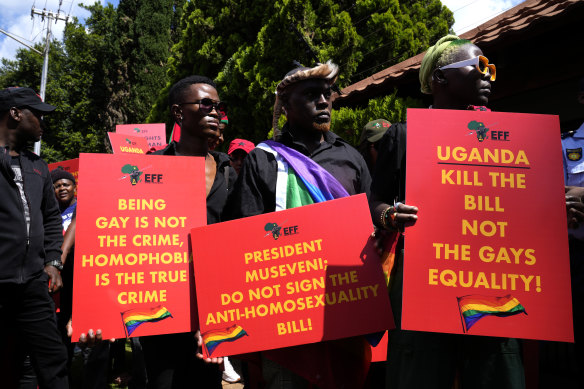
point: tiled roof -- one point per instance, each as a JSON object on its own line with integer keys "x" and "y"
{"x": 514, "y": 20}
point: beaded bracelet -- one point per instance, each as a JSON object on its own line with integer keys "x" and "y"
{"x": 388, "y": 213}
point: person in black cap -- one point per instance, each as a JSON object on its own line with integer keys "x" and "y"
{"x": 30, "y": 241}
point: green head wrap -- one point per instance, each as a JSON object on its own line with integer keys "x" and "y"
{"x": 436, "y": 56}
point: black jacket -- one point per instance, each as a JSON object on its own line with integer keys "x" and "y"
{"x": 23, "y": 258}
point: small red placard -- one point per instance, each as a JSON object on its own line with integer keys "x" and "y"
{"x": 489, "y": 253}
{"x": 155, "y": 133}
{"x": 70, "y": 165}
{"x": 128, "y": 144}
{"x": 288, "y": 278}
{"x": 132, "y": 273}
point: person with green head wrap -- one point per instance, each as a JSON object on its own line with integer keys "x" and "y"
{"x": 458, "y": 76}
{"x": 438, "y": 56}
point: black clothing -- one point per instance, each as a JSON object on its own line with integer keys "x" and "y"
{"x": 23, "y": 255}
{"x": 255, "y": 193}
{"x": 171, "y": 363}
{"x": 418, "y": 359}
{"x": 27, "y": 312}
{"x": 170, "y": 359}
{"x": 218, "y": 194}
{"x": 27, "y": 315}
{"x": 389, "y": 177}
{"x": 231, "y": 175}
{"x": 255, "y": 189}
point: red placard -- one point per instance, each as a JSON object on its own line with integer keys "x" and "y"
{"x": 128, "y": 144}
{"x": 379, "y": 352}
{"x": 287, "y": 278}
{"x": 155, "y": 133}
{"x": 489, "y": 253}
{"x": 70, "y": 165}
{"x": 132, "y": 274}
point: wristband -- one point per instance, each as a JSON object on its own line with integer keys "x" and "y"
{"x": 56, "y": 263}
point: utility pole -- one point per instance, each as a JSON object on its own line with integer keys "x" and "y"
{"x": 50, "y": 15}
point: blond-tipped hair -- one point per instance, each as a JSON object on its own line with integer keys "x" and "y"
{"x": 327, "y": 71}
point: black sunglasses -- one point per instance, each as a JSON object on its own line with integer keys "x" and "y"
{"x": 207, "y": 105}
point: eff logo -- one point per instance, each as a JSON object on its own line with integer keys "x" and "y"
{"x": 483, "y": 132}
{"x": 135, "y": 175}
{"x": 276, "y": 231}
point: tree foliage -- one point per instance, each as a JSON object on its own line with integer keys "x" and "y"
{"x": 349, "y": 122}
{"x": 395, "y": 30}
{"x": 247, "y": 47}
{"x": 106, "y": 71}
{"x": 117, "y": 66}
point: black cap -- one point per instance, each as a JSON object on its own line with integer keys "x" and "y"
{"x": 23, "y": 97}
{"x": 60, "y": 174}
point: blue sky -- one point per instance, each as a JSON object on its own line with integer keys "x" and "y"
{"x": 470, "y": 13}
{"x": 15, "y": 17}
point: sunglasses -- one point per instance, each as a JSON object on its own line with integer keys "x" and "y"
{"x": 207, "y": 105}
{"x": 480, "y": 62}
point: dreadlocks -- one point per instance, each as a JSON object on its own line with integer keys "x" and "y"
{"x": 328, "y": 71}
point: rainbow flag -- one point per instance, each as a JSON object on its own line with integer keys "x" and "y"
{"x": 214, "y": 338}
{"x": 300, "y": 180}
{"x": 133, "y": 318}
{"x": 474, "y": 307}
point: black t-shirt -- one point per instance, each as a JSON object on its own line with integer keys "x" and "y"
{"x": 218, "y": 195}
{"x": 255, "y": 189}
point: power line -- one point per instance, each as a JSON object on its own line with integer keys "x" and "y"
{"x": 481, "y": 21}
{"x": 344, "y": 10}
{"x": 464, "y": 6}
{"x": 375, "y": 49}
{"x": 368, "y": 16}
{"x": 19, "y": 37}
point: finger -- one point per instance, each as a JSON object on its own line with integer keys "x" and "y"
{"x": 402, "y": 208}
{"x": 404, "y": 218}
{"x": 90, "y": 338}
{"x": 579, "y": 215}
{"x": 575, "y": 215}
{"x": 82, "y": 339}
{"x": 98, "y": 335}
{"x": 57, "y": 286}
{"x": 199, "y": 338}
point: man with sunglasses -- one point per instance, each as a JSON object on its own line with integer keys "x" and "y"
{"x": 458, "y": 76}
{"x": 173, "y": 361}
{"x": 30, "y": 241}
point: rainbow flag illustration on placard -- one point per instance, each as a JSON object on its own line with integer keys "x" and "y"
{"x": 134, "y": 317}
{"x": 474, "y": 307}
{"x": 214, "y": 338}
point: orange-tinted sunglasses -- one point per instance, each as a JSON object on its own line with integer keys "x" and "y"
{"x": 480, "y": 62}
